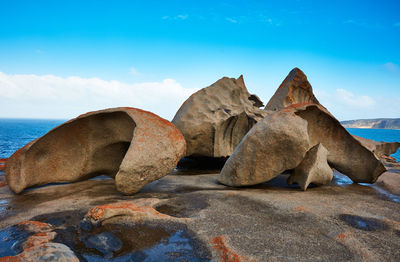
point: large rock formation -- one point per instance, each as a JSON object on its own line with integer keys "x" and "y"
{"x": 280, "y": 141}
{"x": 345, "y": 153}
{"x": 295, "y": 89}
{"x": 133, "y": 146}
{"x": 313, "y": 169}
{"x": 215, "y": 119}
{"x": 379, "y": 148}
{"x": 259, "y": 156}
{"x": 277, "y": 143}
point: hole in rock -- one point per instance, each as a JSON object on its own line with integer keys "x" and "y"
{"x": 200, "y": 165}
{"x": 81, "y": 149}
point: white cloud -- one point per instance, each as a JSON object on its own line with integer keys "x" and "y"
{"x": 345, "y": 105}
{"x": 268, "y": 20}
{"x": 182, "y": 17}
{"x": 133, "y": 71}
{"x": 50, "y": 96}
{"x": 231, "y": 20}
{"x": 392, "y": 67}
{"x": 177, "y": 17}
{"x": 352, "y": 100}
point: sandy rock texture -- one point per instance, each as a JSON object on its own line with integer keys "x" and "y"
{"x": 215, "y": 119}
{"x": 295, "y": 89}
{"x": 133, "y": 146}
{"x": 313, "y": 169}
{"x": 275, "y": 144}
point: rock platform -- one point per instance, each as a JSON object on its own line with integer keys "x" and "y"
{"x": 189, "y": 216}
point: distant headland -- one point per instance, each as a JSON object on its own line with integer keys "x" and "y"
{"x": 378, "y": 123}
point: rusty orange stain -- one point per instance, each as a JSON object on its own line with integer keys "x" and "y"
{"x": 37, "y": 239}
{"x": 98, "y": 212}
{"x": 10, "y": 259}
{"x": 342, "y": 236}
{"x": 37, "y": 224}
{"x": 300, "y": 209}
{"x": 225, "y": 253}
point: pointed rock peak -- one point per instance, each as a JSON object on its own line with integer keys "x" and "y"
{"x": 295, "y": 89}
{"x": 240, "y": 82}
{"x": 297, "y": 72}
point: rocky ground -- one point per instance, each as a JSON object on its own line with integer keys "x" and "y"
{"x": 189, "y": 216}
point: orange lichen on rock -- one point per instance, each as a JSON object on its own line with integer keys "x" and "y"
{"x": 300, "y": 209}
{"x": 226, "y": 254}
{"x": 139, "y": 213}
{"x": 10, "y": 259}
{"x": 38, "y": 239}
{"x": 286, "y": 109}
{"x": 36, "y": 226}
{"x": 2, "y": 163}
{"x": 343, "y": 235}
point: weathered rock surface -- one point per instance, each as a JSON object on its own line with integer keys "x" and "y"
{"x": 342, "y": 221}
{"x": 295, "y": 89}
{"x": 313, "y": 169}
{"x": 345, "y": 153}
{"x": 37, "y": 244}
{"x": 133, "y": 146}
{"x": 215, "y": 119}
{"x": 391, "y": 181}
{"x": 277, "y": 143}
{"x": 48, "y": 252}
{"x": 379, "y": 148}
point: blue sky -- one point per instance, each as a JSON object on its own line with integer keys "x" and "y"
{"x": 62, "y": 58}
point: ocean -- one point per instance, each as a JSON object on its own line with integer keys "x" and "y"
{"x": 15, "y": 133}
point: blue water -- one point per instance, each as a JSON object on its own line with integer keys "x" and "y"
{"x": 15, "y": 133}
{"x": 386, "y": 135}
